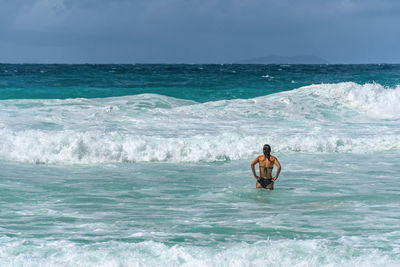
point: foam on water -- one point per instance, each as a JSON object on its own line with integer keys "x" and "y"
{"x": 149, "y": 253}
{"x": 94, "y": 147}
{"x": 327, "y": 210}
{"x": 325, "y": 118}
{"x": 372, "y": 99}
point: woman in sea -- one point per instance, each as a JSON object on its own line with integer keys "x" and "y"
{"x": 266, "y": 163}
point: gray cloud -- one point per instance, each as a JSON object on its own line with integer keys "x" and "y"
{"x": 197, "y": 31}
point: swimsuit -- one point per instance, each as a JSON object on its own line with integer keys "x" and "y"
{"x": 264, "y": 182}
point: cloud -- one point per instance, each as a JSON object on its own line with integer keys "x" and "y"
{"x": 202, "y": 30}
{"x": 42, "y": 14}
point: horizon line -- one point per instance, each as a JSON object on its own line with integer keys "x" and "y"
{"x": 183, "y": 63}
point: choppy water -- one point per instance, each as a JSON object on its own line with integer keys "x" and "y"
{"x": 139, "y": 165}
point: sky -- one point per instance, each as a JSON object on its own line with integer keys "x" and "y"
{"x": 197, "y": 31}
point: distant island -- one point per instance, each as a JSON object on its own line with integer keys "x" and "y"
{"x": 284, "y": 60}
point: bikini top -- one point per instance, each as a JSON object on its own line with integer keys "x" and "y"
{"x": 268, "y": 167}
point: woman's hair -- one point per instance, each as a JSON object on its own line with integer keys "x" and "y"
{"x": 267, "y": 151}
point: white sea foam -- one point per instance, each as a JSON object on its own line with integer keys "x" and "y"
{"x": 149, "y": 253}
{"x": 335, "y": 118}
{"x": 94, "y": 147}
{"x": 372, "y": 99}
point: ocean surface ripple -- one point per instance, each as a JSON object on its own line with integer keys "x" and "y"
{"x": 149, "y": 165}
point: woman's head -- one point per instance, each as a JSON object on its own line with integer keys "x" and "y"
{"x": 267, "y": 150}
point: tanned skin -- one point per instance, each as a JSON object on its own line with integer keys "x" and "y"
{"x": 266, "y": 169}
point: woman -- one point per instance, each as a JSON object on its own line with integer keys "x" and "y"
{"x": 266, "y": 163}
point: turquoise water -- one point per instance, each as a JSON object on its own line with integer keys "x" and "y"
{"x": 138, "y": 165}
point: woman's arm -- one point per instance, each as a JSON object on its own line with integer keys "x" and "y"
{"x": 278, "y": 165}
{"x": 253, "y": 169}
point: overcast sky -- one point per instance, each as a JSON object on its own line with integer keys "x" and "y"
{"x": 197, "y": 31}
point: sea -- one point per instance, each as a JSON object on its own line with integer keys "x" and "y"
{"x": 149, "y": 165}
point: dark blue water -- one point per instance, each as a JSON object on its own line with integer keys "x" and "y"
{"x": 201, "y": 83}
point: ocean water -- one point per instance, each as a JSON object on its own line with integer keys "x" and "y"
{"x": 149, "y": 165}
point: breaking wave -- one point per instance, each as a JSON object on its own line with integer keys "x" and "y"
{"x": 324, "y": 118}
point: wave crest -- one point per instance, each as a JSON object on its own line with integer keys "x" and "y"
{"x": 95, "y": 148}
{"x": 372, "y": 99}
{"x": 325, "y": 118}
